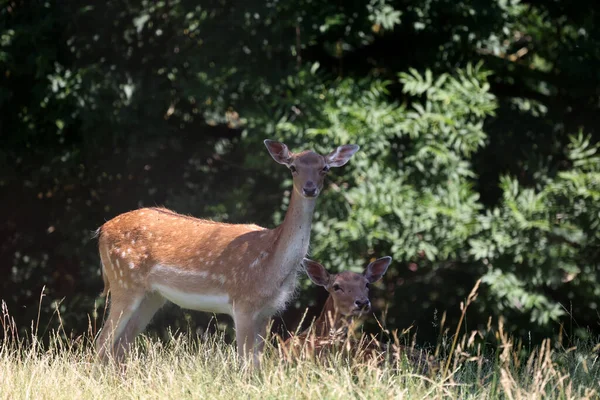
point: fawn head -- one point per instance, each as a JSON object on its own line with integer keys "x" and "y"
{"x": 349, "y": 290}
{"x": 309, "y": 168}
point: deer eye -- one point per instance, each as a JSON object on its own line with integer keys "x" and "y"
{"x": 326, "y": 168}
{"x": 337, "y": 287}
{"x": 293, "y": 169}
{"x": 367, "y": 285}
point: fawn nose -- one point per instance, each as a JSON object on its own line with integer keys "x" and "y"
{"x": 364, "y": 304}
{"x": 310, "y": 189}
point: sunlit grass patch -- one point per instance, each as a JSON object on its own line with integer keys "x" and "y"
{"x": 190, "y": 367}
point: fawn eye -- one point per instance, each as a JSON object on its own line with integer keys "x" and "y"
{"x": 367, "y": 285}
{"x": 292, "y": 168}
{"x": 326, "y": 168}
{"x": 337, "y": 287}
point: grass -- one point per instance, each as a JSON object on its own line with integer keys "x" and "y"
{"x": 188, "y": 367}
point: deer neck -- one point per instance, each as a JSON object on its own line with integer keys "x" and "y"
{"x": 329, "y": 320}
{"x": 293, "y": 238}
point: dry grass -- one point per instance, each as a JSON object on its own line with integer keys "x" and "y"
{"x": 187, "y": 367}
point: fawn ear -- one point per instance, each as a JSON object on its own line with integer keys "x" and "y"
{"x": 377, "y": 268}
{"x": 316, "y": 272}
{"x": 341, "y": 155}
{"x": 279, "y": 152}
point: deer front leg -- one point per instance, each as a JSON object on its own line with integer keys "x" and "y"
{"x": 260, "y": 334}
{"x": 245, "y": 331}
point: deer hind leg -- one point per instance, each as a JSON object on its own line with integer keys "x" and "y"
{"x": 122, "y": 308}
{"x": 138, "y": 321}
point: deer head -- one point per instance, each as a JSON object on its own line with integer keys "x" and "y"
{"x": 309, "y": 168}
{"x": 349, "y": 290}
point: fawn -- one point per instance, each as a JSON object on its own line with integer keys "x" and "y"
{"x": 332, "y": 330}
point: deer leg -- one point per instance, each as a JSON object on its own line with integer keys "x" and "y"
{"x": 245, "y": 328}
{"x": 260, "y": 334}
{"x": 122, "y": 309}
{"x": 138, "y": 321}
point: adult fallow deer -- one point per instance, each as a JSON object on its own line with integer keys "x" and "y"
{"x": 152, "y": 255}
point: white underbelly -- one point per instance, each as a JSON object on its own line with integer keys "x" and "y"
{"x": 216, "y": 303}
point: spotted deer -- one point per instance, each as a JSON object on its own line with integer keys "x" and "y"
{"x": 348, "y": 298}
{"x": 152, "y": 255}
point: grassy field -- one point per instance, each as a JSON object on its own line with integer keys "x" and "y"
{"x": 185, "y": 368}
{"x": 485, "y": 364}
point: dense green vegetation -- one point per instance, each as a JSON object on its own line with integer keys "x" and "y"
{"x": 476, "y": 120}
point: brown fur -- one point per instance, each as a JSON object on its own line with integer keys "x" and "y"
{"x": 348, "y": 298}
{"x": 333, "y": 330}
{"x": 245, "y": 270}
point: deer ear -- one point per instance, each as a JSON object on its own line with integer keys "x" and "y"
{"x": 341, "y": 155}
{"x": 377, "y": 268}
{"x": 316, "y": 272}
{"x": 278, "y": 151}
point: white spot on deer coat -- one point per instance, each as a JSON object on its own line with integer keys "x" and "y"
{"x": 261, "y": 256}
{"x": 255, "y": 263}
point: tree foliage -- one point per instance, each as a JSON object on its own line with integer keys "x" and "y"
{"x": 476, "y": 121}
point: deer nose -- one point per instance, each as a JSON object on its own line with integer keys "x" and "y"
{"x": 363, "y": 304}
{"x": 310, "y": 189}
